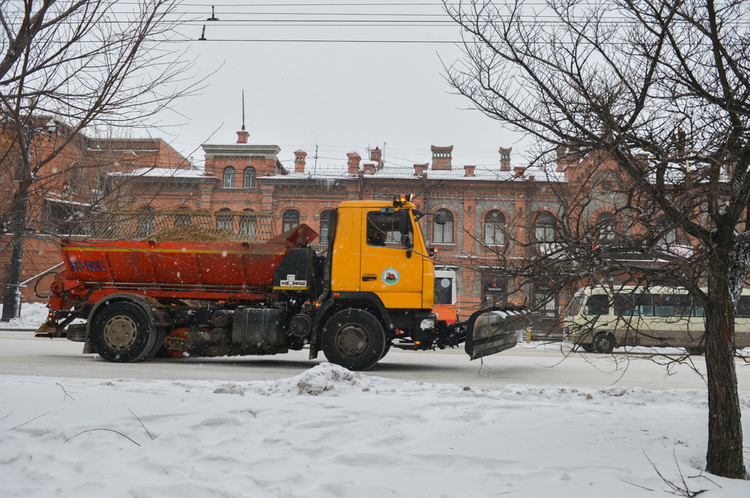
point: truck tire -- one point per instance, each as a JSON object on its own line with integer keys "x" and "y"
{"x": 604, "y": 342}
{"x": 121, "y": 333}
{"x": 354, "y": 339}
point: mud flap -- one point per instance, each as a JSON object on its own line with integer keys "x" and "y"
{"x": 492, "y": 330}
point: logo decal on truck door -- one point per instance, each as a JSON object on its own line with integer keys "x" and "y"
{"x": 391, "y": 276}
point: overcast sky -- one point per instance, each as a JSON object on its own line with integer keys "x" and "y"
{"x": 364, "y": 74}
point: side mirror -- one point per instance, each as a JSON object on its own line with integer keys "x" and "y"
{"x": 439, "y": 220}
{"x": 406, "y": 240}
{"x": 404, "y": 226}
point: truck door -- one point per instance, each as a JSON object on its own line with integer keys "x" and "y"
{"x": 385, "y": 269}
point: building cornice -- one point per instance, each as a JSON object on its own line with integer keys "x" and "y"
{"x": 265, "y": 151}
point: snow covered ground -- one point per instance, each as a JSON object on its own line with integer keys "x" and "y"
{"x": 331, "y": 433}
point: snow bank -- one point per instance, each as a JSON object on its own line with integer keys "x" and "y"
{"x": 32, "y": 316}
{"x": 329, "y": 432}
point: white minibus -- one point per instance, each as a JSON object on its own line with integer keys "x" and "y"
{"x": 600, "y": 319}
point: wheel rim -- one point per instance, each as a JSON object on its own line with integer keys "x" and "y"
{"x": 120, "y": 333}
{"x": 603, "y": 344}
{"x": 352, "y": 341}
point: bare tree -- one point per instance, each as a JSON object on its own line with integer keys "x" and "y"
{"x": 69, "y": 66}
{"x": 658, "y": 93}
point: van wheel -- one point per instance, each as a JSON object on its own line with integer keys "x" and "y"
{"x": 121, "y": 333}
{"x": 353, "y": 339}
{"x": 604, "y": 342}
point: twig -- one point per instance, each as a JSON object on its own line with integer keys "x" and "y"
{"x": 108, "y": 430}
{"x": 676, "y": 489}
{"x": 28, "y": 422}
{"x": 144, "y": 427}
{"x": 65, "y": 392}
{"x": 8, "y": 415}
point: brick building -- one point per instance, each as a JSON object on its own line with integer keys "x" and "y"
{"x": 78, "y": 179}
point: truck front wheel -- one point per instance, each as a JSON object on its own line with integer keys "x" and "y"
{"x": 121, "y": 333}
{"x": 353, "y": 339}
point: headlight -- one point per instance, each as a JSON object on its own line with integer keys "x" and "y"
{"x": 427, "y": 324}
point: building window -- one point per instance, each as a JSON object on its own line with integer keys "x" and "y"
{"x": 145, "y": 224}
{"x": 248, "y": 178}
{"x": 545, "y": 301}
{"x": 443, "y": 234}
{"x": 665, "y": 235}
{"x": 67, "y": 218}
{"x": 544, "y": 228}
{"x": 248, "y": 225}
{"x": 228, "y": 177}
{"x": 289, "y": 220}
{"x": 224, "y": 221}
{"x": 494, "y": 290}
{"x": 494, "y": 228}
{"x": 182, "y": 219}
{"x": 605, "y": 227}
{"x": 325, "y": 218}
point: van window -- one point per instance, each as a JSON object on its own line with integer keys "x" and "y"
{"x": 597, "y": 305}
{"x": 575, "y": 305}
{"x": 625, "y": 304}
{"x": 672, "y": 304}
{"x": 743, "y": 307}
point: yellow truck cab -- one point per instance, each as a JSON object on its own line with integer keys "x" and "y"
{"x": 372, "y": 254}
{"x": 381, "y": 284}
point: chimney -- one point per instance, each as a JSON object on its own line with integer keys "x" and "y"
{"x": 353, "y": 163}
{"x": 369, "y": 167}
{"x": 376, "y": 155}
{"x": 419, "y": 169}
{"x": 441, "y": 158}
{"x": 299, "y": 161}
{"x": 242, "y": 136}
{"x": 469, "y": 170}
{"x": 561, "y": 158}
{"x": 505, "y": 158}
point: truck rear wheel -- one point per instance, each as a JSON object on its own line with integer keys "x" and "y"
{"x": 121, "y": 333}
{"x": 354, "y": 339}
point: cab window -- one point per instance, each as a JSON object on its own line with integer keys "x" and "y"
{"x": 382, "y": 229}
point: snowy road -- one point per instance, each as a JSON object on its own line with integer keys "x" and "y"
{"x": 23, "y": 354}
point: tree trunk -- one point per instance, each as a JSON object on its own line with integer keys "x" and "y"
{"x": 725, "y": 450}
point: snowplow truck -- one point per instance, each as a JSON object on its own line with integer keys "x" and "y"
{"x": 372, "y": 289}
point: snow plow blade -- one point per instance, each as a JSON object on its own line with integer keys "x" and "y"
{"x": 493, "y": 330}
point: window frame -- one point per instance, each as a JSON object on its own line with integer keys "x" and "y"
{"x": 498, "y": 228}
{"x": 443, "y": 230}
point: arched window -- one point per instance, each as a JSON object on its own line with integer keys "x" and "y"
{"x": 145, "y": 221}
{"x": 665, "y": 235}
{"x": 443, "y": 234}
{"x": 248, "y": 224}
{"x": 228, "y": 177}
{"x": 605, "y": 227}
{"x": 248, "y": 178}
{"x": 544, "y": 228}
{"x": 325, "y": 218}
{"x": 182, "y": 219}
{"x": 494, "y": 228}
{"x": 223, "y": 221}
{"x": 289, "y": 220}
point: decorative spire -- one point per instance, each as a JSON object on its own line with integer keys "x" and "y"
{"x": 243, "y": 135}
